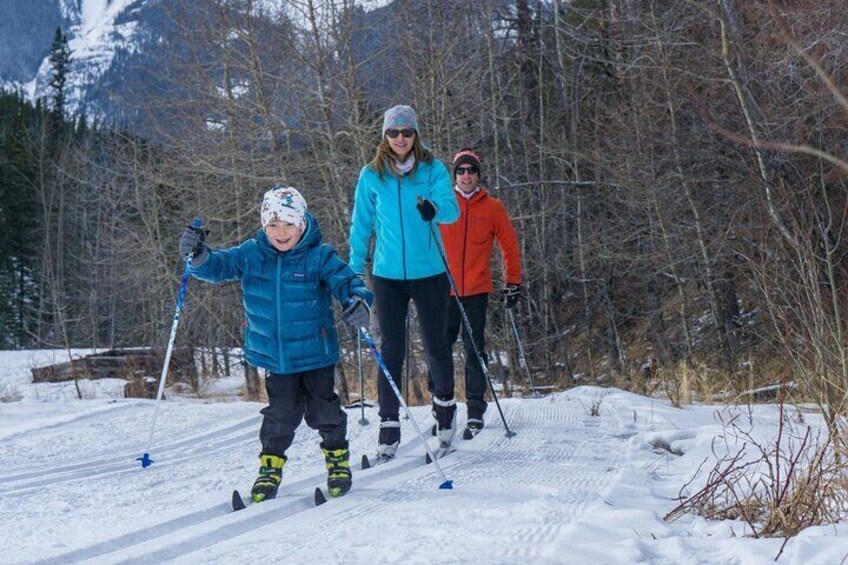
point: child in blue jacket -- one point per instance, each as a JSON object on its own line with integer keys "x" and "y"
{"x": 287, "y": 277}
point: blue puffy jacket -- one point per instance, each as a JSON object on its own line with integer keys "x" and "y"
{"x": 387, "y": 205}
{"x": 290, "y": 325}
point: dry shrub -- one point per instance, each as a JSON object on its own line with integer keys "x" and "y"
{"x": 777, "y": 489}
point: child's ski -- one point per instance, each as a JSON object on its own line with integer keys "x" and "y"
{"x": 320, "y": 498}
{"x": 238, "y": 502}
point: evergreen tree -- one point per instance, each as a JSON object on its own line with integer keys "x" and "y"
{"x": 60, "y": 60}
{"x": 19, "y": 218}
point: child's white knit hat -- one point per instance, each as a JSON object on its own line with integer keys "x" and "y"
{"x": 284, "y": 204}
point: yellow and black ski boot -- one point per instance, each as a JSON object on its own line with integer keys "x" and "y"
{"x": 270, "y": 474}
{"x": 338, "y": 470}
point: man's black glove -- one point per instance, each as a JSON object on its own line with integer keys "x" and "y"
{"x": 426, "y": 209}
{"x": 510, "y": 295}
{"x": 193, "y": 242}
{"x": 357, "y": 313}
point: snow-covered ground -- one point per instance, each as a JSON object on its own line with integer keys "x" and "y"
{"x": 568, "y": 488}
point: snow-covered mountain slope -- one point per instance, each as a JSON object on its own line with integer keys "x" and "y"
{"x": 104, "y": 37}
{"x": 97, "y": 30}
{"x": 568, "y": 488}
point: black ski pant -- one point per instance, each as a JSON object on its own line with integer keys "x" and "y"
{"x": 475, "y": 381}
{"x": 391, "y": 298}
{"x": 295, "y": 395}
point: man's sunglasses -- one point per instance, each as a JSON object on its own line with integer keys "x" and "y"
{"x": 463, "y": 170}
{"x": 406, "y": 132}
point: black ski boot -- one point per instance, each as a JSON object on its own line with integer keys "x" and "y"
{"x": 270, "y": 474}
{"x": 338, "y": 470}
{"x": 444, "y": 411}
{"x": 389, "y": 440}
{"x": 474, "y": 423}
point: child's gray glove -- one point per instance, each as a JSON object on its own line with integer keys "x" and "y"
{"x": 193, "y": 242}
{"x": 357, "y": 313}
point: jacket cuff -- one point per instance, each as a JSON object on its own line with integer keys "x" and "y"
{"x": 198, "y": 261}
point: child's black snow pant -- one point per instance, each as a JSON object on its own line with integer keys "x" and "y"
{"x": 290, "y": 397}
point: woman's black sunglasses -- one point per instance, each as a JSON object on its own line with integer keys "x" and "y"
{"x": 463, "y": 170}
{"x": 406, "y": 132}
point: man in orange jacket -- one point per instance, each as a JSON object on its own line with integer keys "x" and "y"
{"x": 468, "y": 243}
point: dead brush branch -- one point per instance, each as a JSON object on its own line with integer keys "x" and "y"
{"x": 777, "y": 489}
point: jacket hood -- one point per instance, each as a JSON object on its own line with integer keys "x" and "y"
{"x": 310, "y": 238}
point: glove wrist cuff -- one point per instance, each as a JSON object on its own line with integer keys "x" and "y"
{"x": 201, "y": 257}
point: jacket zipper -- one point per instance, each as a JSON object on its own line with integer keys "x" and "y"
{"x": 402, "y": 234}
{"x": 465, "y": 243}
{"x": 279, "y": 314}
{"x": 324, "y": 335}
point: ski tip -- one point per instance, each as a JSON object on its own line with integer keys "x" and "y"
{"x": 145, "y": 459}
{"x": 447, "y": 485}
{"x": 428, "y": 459}
{"x": 319, "y": 497}
{"x": 366, "y": 464}
{"x": 238, "y": 502}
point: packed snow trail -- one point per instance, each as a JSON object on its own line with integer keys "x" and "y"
{"x": 569, "y": 488}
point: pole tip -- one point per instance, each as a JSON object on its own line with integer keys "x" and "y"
{"x": 510, "y": 434}
{"x": 145, "y": 459}
{"x": 447, "y": 485}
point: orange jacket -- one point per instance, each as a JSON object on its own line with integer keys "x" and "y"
{"x": 468, "y": 243}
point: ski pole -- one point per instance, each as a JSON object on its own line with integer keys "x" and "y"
{"x": 145, "y": 459}
{"x": 522, "y": 359}
{"x": 467, "y": 324}
{"x": 363, "y": 421}
{"x": 446, "y": 484}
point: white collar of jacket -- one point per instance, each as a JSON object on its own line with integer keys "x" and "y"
{"x": 467, "y": 195}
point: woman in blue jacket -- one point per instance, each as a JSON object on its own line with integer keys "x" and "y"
{"x": 399, "y": 197}
{"x": 287, "y": 278}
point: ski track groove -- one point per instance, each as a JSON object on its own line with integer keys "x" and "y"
{"x": 549, "y": 462}
{"x": 244, "y": 522}
{"x": 247, "y": 521}
{"x": 577, "y": 485}
{"x": 421, "y": 487}
{"x": 222, "y": 440}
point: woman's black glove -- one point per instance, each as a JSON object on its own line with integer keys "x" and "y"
{"x": 426, "y": 209}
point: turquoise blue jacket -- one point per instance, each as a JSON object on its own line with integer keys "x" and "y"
{"x": 286, "y": 295}
{"x": 386, "y": 206}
